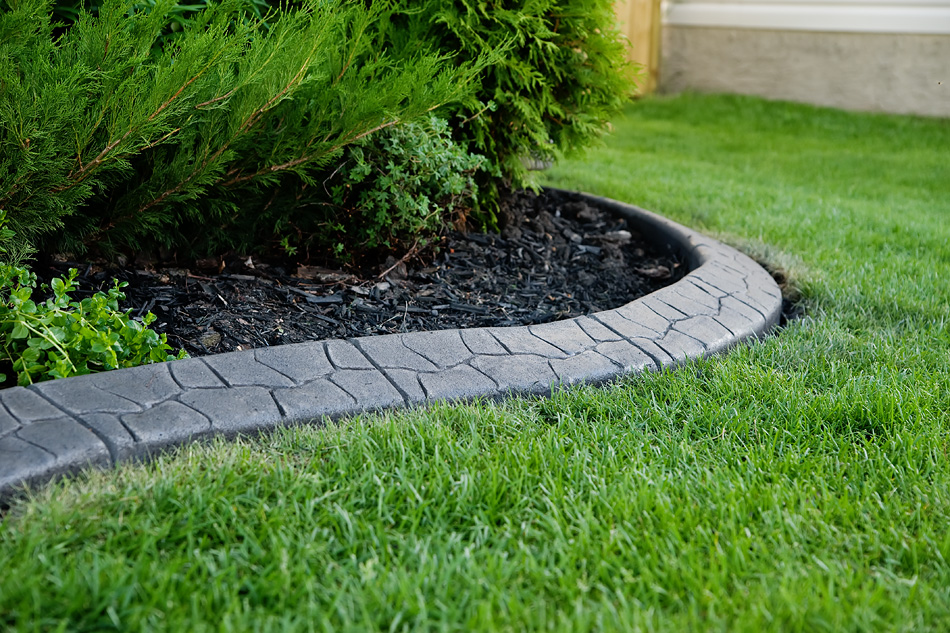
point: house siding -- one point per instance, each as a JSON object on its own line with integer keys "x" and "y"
{"x": 841, "y": 54}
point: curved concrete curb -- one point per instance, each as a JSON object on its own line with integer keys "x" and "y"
{"x": 61, "y": 426}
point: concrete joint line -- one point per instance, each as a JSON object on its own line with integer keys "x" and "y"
{"x": 247, "y": 391}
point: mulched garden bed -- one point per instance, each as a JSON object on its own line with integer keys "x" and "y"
{"x": 555, "y": 258}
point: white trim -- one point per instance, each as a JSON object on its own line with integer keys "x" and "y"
{"x": 862, "y": 16}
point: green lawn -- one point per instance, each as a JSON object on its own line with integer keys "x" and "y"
{"x": 801, "y": 484}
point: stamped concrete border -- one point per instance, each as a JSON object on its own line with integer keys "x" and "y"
{"x": 62, "y": 426}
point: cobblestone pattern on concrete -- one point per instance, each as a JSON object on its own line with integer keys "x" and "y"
{"x": 62, "y": 426}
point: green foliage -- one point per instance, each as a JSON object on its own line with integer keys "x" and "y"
{"x": 130, "y": 125}
{"x": 12, "y": 251}
{"x": 559, "y": 74}
{"x": 400, "y": 185}
{"x": 103, "y": 141}
{"x": 181, "y": 17}
{"x": 61, "y": 337}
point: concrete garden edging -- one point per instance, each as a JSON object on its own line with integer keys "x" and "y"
{"x": 60, "y": 427}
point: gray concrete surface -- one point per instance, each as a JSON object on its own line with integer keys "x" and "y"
{"x": 99, "y": 420}
{"x": 879, "y": 72}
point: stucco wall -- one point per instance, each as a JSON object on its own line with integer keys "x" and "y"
{"x": 884, "y": 72}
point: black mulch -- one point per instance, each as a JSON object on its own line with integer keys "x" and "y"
{"x": 555, "y": 258}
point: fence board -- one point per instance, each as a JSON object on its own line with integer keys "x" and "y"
{"x": 640, "y": 22}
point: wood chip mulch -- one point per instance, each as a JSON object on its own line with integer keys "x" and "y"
{"x": 555, "y": 258}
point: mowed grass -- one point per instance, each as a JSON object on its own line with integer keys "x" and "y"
{"x": 799, "y": 484}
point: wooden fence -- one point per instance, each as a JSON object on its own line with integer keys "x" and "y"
{"x": 640, "y": 22}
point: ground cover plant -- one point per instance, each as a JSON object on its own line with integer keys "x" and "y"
{"x": 61, "y": 336}
{"x": 799, "y": 484}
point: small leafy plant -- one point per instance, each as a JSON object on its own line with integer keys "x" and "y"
{"x": 61, "y": 337}
{"x": 401, "y": 184}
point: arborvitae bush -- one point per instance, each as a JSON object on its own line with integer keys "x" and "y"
{"x": 104, "y": 141}
{"x": 560, "y": 76}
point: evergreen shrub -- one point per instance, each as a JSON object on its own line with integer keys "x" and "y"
{"x": 157, "y": 124}
{"x": 180, "y": 16}
{"x": 104, "y": 141}
{"x": 558, "y": 74}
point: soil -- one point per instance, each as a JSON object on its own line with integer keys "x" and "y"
{"x": 556, "y": 257}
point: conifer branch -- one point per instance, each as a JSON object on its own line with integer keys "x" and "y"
{"x": 169, "y": 101}
{"x": 231, "y": 92}
{"x": 343, "y": 142}
{"x": 349, "y": 60}
{"x": 85, "y": 171}
{"x": 303, "y": 159}
{"x": 216, "y": 99}
{"x": 161, "y": 140}
{"x": 246, "y": 125}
